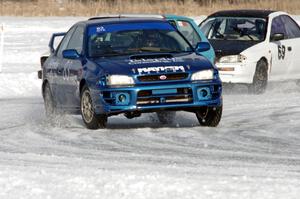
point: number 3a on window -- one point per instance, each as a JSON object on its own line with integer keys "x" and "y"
{"x": 281, "y": 52}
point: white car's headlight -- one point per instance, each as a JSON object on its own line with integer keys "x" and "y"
{"x": 115, "y": 80}
{"x": 203, "y": 75}
{"x": 232, "y": 59}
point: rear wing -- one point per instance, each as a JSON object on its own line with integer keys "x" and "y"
{"x": 52, "y": 40}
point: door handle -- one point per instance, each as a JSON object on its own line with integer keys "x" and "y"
{"x": 289, "y": 48}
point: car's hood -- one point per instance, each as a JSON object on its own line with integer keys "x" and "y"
{"x": 230, "y": 47}
{"x": 153, "y": 64}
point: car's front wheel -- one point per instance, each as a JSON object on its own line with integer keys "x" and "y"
{"x": 90, "y": 118}
{"x": 260, "y": 79}
{"x": 166, "y": 117}
{"x": 209, "y": 116}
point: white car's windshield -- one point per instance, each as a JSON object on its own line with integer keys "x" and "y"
{"x": 234, "y": 28}
{"x": 135, "y": 38}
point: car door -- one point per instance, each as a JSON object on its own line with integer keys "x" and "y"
{"x": 281, "y": 50}
{"x": 58, "y": 69}
{"x": 293, "y": 34}
{"x": 73, "y": 69}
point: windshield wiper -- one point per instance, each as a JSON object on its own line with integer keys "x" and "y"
{"x": 111, "y": 54}
{"x": 156, "y": 50}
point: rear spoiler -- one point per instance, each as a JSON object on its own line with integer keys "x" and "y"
{"x": 51, "y": 43}
{"x": 128, "y": 16}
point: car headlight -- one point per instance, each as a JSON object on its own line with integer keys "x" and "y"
{"x": 203, "y": 75}
{"x": 232, "y": 59}
{"x": 115, "y": 80}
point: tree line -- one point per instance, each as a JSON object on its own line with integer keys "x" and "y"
{"x": 201, "y": 2}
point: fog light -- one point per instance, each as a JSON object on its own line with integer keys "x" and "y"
{"x": 122, "y": 98}
{"x": 204, "y": 93}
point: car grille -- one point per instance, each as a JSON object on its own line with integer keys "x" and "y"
{"x": 168, "y": 77}
{"x": 152, "y": 97}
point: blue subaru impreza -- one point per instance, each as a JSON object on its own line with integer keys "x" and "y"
{"x": 111, "y": 65}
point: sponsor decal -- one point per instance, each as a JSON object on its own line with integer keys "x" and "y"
{"x": 161, "y": 69}
{"x": 100, "y": 29}
{"x": 150, "y": 61}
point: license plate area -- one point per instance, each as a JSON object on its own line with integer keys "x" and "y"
{"x": 164, "y": 91}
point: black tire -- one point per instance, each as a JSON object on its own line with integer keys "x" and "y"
{"x": 50, "y": 105}
{"x": 209, "y": 116}
{"x": 166, "y": 117}
{"x": 89, "y": 117}
{"x": 260, "y": 79}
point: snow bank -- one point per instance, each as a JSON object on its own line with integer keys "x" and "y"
{"x": 19, "y": 85}
{"x": 297, "y": 18}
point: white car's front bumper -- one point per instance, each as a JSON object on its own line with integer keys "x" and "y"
{"x": 236, "y": 72}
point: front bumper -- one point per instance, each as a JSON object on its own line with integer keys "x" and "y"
{"x": 151, "y": 98}
{"x": 236, "y": 72}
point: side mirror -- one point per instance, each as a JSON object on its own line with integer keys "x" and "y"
{"x": 70, "y": 54}
{"x": 202, "y": 46}
{"x": 277, "y": 37}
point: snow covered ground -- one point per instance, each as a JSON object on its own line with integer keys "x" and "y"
{"x": 254, "y": 153}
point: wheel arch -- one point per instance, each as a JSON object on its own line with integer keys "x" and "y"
{"x": 266, "y": 61}
{"x": 45, "y": 82}
{"x": 81, "y": 85}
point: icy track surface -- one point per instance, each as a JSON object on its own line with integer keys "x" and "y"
{"x": 254, "y": 153}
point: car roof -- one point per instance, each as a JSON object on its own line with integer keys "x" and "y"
{"x": 243, "y": 13}
{"x": 145, "y": 16}
{"x": 120, "y": 19}
{"x": 177, "y": 17}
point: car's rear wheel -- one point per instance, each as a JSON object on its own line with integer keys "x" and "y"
{"x": 209, "y": 116}
{"x": 166, "y": 117}
{"x": 90, "y": 118}
{"x": 260, "y": 79}
{"x": 49, "y": 103}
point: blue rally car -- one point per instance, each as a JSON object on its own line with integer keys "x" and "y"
{"x": 108, "y": 66}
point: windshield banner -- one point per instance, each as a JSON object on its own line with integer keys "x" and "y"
{"x": 100, "y": 29}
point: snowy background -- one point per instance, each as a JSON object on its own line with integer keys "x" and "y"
{"x": 253, "y": 153}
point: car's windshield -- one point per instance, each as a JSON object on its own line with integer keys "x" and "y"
{"x": 135, "y": 38}
{"x": 234, "y": 28}
{"x": 187, "y": 30}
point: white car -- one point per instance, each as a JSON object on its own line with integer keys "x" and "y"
{"x": 254, "y": 46}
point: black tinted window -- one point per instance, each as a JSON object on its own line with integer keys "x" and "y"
{"x": 65, "y": 41}
{"x": 278, "y": 27}
{"x": 292, "y": 29}
{"x": 76, "y": 40}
